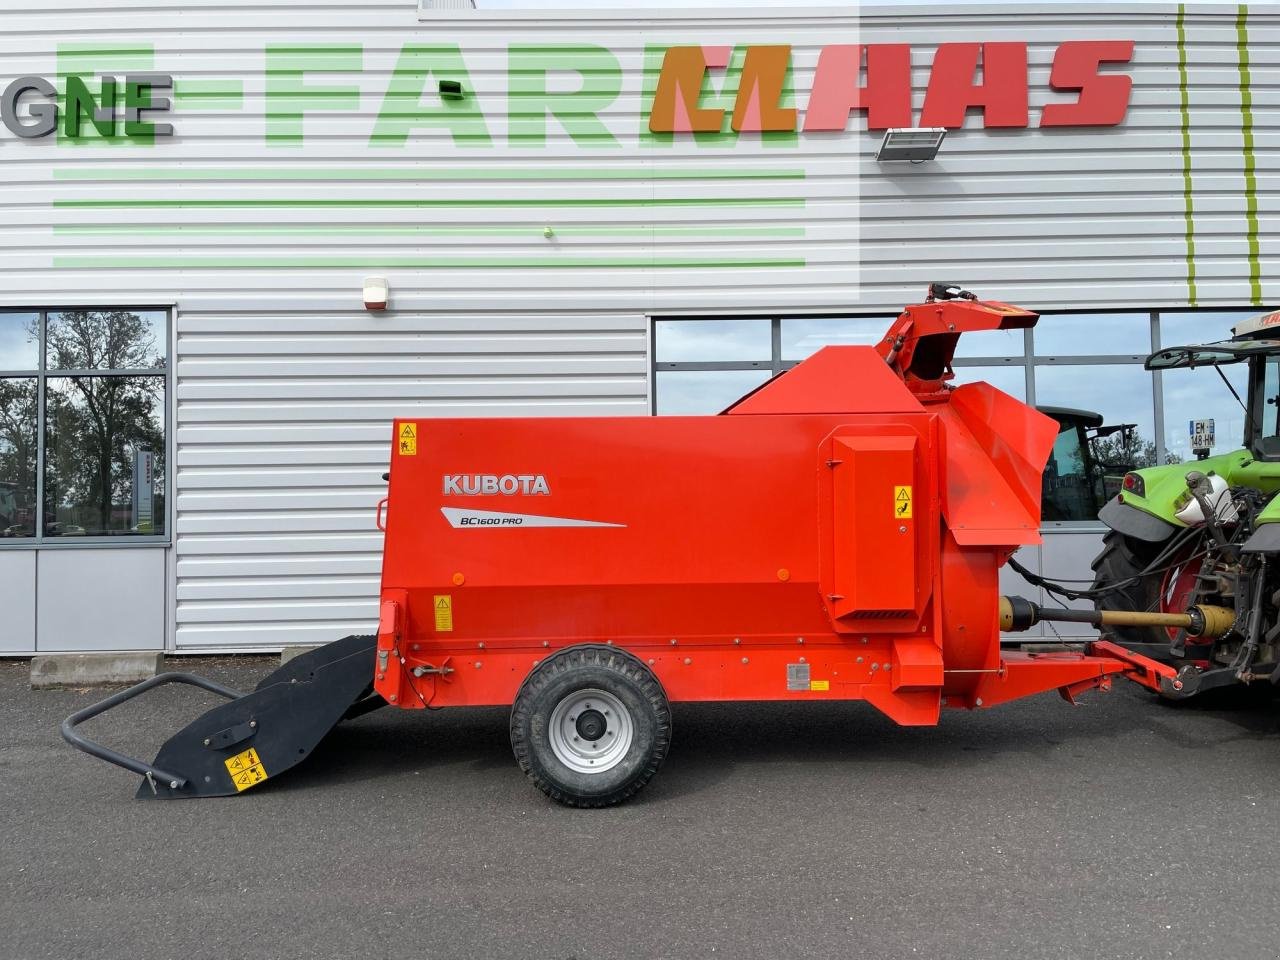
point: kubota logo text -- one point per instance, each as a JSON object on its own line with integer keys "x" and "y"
{"x": 487, "y": 484}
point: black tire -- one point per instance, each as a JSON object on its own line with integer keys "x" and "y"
{"x": 571, "y": 677}
{"x": 1122, "y": 558}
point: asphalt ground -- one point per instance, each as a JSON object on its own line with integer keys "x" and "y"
{"x": 1121, "y": 828}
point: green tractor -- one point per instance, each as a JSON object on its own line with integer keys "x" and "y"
{"x": 1207, "y": 531}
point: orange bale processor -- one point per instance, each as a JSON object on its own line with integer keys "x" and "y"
{"x": 835, "y": 535}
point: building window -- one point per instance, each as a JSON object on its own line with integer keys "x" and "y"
{"x": 1083, "y": 369}
{"x": 83, "y": 424}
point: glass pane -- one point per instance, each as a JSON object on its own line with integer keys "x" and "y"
{"x": 1011, "y": 379}
{"x": 19, "y": 341}
{"x": 803, "y": 337}
{"x": 1267, "y": 410}
{"x": 704, "y": 391}
{"x": 992, "y": 343}
{"x": 1072, "y": 484}
{"x": 683, "y": 341}
{"x": 1122, "y": 395}
{"x": 1189, "y": 327}
{"x": 1083, "y": 334}
{"x": 1201, "y": 395}
{"x": 18, "y": 407}
{"x": 106, "y": 340}
{"x": 104, "y": 456}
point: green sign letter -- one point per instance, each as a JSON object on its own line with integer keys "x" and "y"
{"x": 529, "y": 101}
{"x": 403, "y": 110}
{"x": 81, "y": 102}
{"x": 289, "y": 97}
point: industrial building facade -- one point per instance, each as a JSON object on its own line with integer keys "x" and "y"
{"x": 570, "y": 220}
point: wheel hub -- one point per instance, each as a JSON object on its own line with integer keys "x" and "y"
{"x": 591, "y": 725}
{"x": 590, "y": 731}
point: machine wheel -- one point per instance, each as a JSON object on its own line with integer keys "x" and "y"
{"x": 1166, "y": 592}
{"x": 590, "y": 725}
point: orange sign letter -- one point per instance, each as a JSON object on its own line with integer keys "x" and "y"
{"x": 764, "y": 74}
{"x": 675, "y": 102}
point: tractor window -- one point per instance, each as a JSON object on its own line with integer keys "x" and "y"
{"x": 1069, "y": 488}
{"x": 1266, "y": 411}
{"x": 1200, "y": 394}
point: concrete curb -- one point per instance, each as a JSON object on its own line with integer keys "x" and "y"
{"x": 288, "y": 653}
{"x": 92, "y": 669}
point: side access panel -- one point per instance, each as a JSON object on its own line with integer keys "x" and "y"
{"x": 877, "y": 551}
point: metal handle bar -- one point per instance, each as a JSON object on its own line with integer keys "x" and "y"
{"x": 152, "y": 773}
{"x": 379, "y": 521}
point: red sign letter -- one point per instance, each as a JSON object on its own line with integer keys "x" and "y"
{"x": 1104, "y": 98}
{"x": 886, "y": 97}
{"x": 1002, "y": 95}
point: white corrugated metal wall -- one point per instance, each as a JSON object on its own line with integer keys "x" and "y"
{"x": 522, "y": 272}
{"x": 283, "y": 432}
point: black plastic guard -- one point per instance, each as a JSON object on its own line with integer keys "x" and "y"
{"x": 1265, "y": 539}
{"x": 1135, "y": 523}
{"x": 276, "y": 727}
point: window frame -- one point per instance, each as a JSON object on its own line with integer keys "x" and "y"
{"x": 42, "y": 374}
{"x": 1256, "y": 423}
{"x": 1029, "y": 362}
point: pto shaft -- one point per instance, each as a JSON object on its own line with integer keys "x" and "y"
{"x": 1017, "y": 614}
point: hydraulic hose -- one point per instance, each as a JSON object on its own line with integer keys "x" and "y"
{"x": 1157, "y": 565}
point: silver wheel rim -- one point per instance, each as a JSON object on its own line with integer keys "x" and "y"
{"x": 576, "y": 718}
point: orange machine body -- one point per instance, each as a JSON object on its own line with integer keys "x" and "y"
{"x": 835, "y": 535}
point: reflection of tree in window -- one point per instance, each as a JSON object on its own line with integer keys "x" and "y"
{"x": 1132, "y": 452}
{"x": 102, "y": 340}
{"x": 99, "y": 425}
{"x": 18, "y": 399}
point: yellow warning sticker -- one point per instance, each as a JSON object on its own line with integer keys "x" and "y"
{"x": 407, "y": 443}
{"x": 819, "y": 684}
{"x": 246, "y": 769}
{"x": 444, "y": 612}
{"x": 902, "y": 503}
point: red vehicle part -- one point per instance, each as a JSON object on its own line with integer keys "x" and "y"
{"x": 835, "y": 535}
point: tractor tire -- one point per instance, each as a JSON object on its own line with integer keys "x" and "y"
{"x": 1120, "y": 559}
{"x": 590, "y": 725}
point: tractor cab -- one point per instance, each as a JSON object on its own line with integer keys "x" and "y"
{"x": 1087, "y": 464}
{"x": 1255, "y": 341}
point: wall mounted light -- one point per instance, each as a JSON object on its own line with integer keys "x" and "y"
{"x": 915, "y": 144}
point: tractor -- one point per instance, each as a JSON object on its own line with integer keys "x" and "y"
{"x": 1205, "y": 532}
